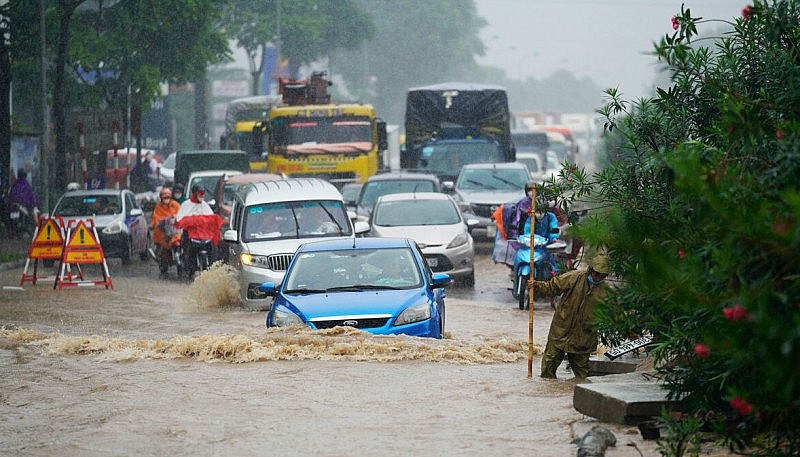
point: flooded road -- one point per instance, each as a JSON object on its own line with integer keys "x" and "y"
{"x": 160, "y": 367}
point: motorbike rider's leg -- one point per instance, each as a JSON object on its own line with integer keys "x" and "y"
{"x": 163, "y": 260}
{"x": 551, "y": 359}
{"x": 580, "y": 364}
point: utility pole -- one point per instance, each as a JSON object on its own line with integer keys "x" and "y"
{"x": 44, "y": 156}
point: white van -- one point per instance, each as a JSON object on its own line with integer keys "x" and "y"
{"x": 271, "y": 219}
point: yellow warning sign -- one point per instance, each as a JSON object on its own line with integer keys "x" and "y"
{"x": 90, "y": 256}
{"x": 46, "y": 252}
{"x": 82, "y": 237}
{"x": 49, "y": 233}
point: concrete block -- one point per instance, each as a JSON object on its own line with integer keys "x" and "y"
{"x": 601, "y": 366}
{"x": 628, "y": 402}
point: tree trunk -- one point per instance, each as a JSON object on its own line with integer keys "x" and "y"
{"x": 200, "y": 124}
{"x": 59, "y": 180}
{"x": 5, "y": 107}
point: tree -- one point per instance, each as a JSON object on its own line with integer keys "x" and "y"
{"x": 309, "y": 29}
{"x": 104, "y": 51}
{"x": 702, "y": 217}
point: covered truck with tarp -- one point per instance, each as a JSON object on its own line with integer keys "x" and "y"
{"x": 241, "y": 117}
{"x": 453, "y": 124}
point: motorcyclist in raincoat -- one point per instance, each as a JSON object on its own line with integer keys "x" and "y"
{"x": 166, "y": 208}
{"x": 571, "y": 329}
{"x": 198, "y": 222}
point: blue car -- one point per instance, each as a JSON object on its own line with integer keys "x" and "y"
{"x": 380, "y": 285}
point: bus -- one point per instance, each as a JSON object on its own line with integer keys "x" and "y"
{"x": 341, "y": 143}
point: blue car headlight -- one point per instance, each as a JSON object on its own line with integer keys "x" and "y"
{"x": 113, "y": 228}
{"x": 252, "y": 260}
{"x": 460, "y": 239}
{"x": 413, "y": 314}
{"x": 281, "y": 318}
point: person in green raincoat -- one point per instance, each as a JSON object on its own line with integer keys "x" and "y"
{"x": 571, "y": 330}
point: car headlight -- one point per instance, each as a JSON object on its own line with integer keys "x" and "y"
{"x": 258, "y": 261}
{"x": 285, "y": 318}
{"x": 114, "y": 227}
{"x": 460, "y": 239}
{"x": 413, "y": 314}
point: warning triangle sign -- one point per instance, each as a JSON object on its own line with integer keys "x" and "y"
{"x": 82, "y": 237}
{"x": 49, "y": 233}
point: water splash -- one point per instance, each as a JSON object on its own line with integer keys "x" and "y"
{"x": 291, "y": 343}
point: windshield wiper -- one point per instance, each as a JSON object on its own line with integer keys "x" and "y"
{"x": 510, "y": 183}
{"x": 305, "y": 291}
{"x": 362, "y": 287}
{"x": 481, "y": 184}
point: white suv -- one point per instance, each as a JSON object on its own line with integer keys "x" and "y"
{"x": 271, "y": 219}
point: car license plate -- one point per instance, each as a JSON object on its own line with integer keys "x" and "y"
{"x": 433, "y": 263}
{"x": 628, "y": 347}
{"x": 14, "y": 215}
{"x": 491, "y": 231}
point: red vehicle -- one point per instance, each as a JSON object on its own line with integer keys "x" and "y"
{"x": 118, "y": 166}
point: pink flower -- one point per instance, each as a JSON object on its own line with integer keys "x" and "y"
{"x": 741, "y": 406}
{"x": 681, "y": 254}
{"x": 779, "y": 134}
{"x": 675, "y": 24}
{"x": 735, "y": 313}
{"x": 702, "y": 350}
{"x": 747, "y": 12}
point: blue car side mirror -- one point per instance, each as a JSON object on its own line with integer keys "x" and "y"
{"x": 268, "y": 288}
{"x": 441, "y": 279}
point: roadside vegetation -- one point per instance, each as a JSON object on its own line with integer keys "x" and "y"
{"x": 699, "y": 208}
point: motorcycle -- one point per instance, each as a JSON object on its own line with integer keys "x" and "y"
{"x": 545, "y": 265}
{"x": 197, "y": 257}
{"x": 175, "y": 254}
{"x": 198, "y": 241}
{"x": 21, "y": 221}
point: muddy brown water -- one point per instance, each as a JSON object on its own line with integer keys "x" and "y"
{"x": 163, "y": 367}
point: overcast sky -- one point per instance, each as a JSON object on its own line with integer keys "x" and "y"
{"x": 606, "y": 40}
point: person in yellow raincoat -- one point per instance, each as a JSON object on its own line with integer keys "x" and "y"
{"x": 165, "y": 208}
{"x": 571, "y": 329}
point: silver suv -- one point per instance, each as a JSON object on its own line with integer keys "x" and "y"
{"x": 482, "y": 187}
{"x": 271, "y": 219}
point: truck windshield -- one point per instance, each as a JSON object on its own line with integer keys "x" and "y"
{"x": 322, "y": 130}
{"x": 447, "y": 158}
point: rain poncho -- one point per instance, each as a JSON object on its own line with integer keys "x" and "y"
{"x": 571, "y": 329}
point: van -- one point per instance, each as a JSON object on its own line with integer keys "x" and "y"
{"x": 271, "y": 219}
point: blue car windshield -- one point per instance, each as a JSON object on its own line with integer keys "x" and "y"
{"x": 353, "y": 270}
{"x": 304, "y": 219}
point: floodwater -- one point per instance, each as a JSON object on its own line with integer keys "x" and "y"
{"x": 162, "y": 367}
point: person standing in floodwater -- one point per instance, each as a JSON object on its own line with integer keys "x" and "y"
{"x": 571, "y": 330}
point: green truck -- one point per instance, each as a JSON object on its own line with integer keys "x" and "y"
{"x": 190, "y": 161}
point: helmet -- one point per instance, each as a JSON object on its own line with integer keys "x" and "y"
{"x": 165, "y": 193}
{"x": 529, "y": 186}
{"x": 600, "y": 264}
{"x": 541, "y": 203}
{"x": 198, "y": 188}
{"x": 179, "y": 187}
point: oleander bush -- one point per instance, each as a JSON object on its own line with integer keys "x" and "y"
{"x": 699, "y": 206}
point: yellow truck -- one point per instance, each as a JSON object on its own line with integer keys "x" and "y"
{"x": 308, "y": 136}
